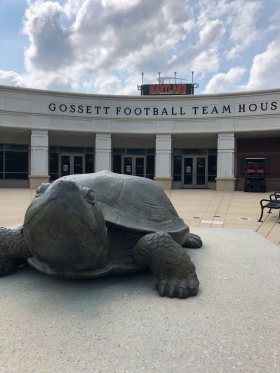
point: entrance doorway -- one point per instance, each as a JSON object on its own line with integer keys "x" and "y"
{"x": 134, "y": 165}
{"x": 71, "y": 164}
{"x": 194, "y": 172}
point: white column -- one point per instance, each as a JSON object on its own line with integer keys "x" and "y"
{"x": 163, "y": 161}
{"x": 39, "y": 158}
{"x": 103, "y": 146}
{"x": 225, "y": 162}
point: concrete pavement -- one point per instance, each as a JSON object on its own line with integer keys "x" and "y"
{"x": 121, "y": 325}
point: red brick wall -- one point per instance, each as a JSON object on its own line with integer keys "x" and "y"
{"x": 268, "y": 148}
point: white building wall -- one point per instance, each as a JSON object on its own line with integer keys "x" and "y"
{"x": 39, "y": 158}
{"x": 163, "y": 161}
{"x": 103, "y": 152}
{"x": 225, "y": 165}
{"x": 104, "y": 116}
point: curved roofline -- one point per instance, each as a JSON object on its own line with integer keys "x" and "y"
{"x": 150, "y": 97}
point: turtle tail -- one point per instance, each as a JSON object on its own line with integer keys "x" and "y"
{"x": 13, "y": 250}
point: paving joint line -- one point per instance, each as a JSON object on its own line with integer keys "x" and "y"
{"x": 222, "y": 196}
{"x": 276, "y": 222}
{"x": 209, "y": 206}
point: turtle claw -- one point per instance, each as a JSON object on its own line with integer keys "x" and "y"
{"x": 178, "y": 288}
{"x": 172, "y": 289}
{"x": 162, "y": 287}
{"x": 193, "y": 286}
{"x": 182, "y": 293}
{"x": 193, "y": 242}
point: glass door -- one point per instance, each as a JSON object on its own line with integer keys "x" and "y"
{"x": 200, "y": 171}
{"x": 78, "y": 164}
{"x": 127, "y": 165}
{"x": 188, "y": 172}
{"x": 134, "y": 165}
{"x": 139, "y": 163}
{"x": 71, "y": 164}
{"x": 65, "y": 165}
{"x": 194, "y": 172}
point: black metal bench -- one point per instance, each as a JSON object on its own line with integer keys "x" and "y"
{"x": 273, "y": 203}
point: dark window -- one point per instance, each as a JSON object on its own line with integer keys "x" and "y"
{"x": 177, "y": 167}
{"x": 53, "y": 166}
{"x": 117, "y": 163}
{"x": 70, "y": 150}
{"x": 212, "y": 151}
{"x": 134, "y": 151}
{"x": 117, "y": 151}
{"x": 1, "y": 161}
{"x": 89, "y": 163}
{"x": 178, "y": 151}
{"x": 212, "y": 167}
{"x": 194, "y": 151}
{"x": 53, "y": 149}
{"x": 16, "y": 162}
{"x": 150, "y": 167}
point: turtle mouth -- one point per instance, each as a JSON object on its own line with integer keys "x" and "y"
{"x": 64, "y": 231}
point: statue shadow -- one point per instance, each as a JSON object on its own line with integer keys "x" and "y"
{"x": 36, "y": 291}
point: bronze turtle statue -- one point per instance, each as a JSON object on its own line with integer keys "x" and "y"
{"x": 91, "y": 225}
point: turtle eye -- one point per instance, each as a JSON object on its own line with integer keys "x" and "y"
{"x": 42, "y": 188}
{"x": 88, "y": 195}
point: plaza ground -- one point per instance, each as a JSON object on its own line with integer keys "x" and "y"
{"x": 118, "y": 324}
{"x": 200, "y": 208}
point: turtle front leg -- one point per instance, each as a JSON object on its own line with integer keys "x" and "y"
{"x": 13, "y": 250}
{"x": 169, "y": 262}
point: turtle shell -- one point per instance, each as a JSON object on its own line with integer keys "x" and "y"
{"x": 134, "y": 203}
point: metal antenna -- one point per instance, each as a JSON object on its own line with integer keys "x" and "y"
{"x": 192, "y": 83}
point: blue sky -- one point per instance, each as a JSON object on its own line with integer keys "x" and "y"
{"x": 102, "y": 46}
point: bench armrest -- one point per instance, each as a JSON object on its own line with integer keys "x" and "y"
{"x": 274, "y": 196}
{"x": 266, "y": 200}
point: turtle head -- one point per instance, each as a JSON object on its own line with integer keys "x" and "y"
{"x": 64, "y": 227}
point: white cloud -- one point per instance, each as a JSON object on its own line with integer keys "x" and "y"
{"x": 102, "y": 46}
{"x": 72, "y": 7}
{"x": 203, "y": 56}
{"x": 225, "y": 82}
{"x": 11, "y": 78}
{"x": 206, "y": 62}
{"x": 106, "y": 35}
{"x": 39, "y": 81}
{"x": 240, "y": 20}
{"x": 50, "y": 45}
{"x": 103, "y": 85}
{"x": 274, "y": 21}
{"x": 211, "y": 33}
{"x": 265, "y": 71}
{"x": 120, "y": 4}
{"x": 243, "y": 21}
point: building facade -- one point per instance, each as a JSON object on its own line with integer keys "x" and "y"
{"x": 195, "y": 141}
